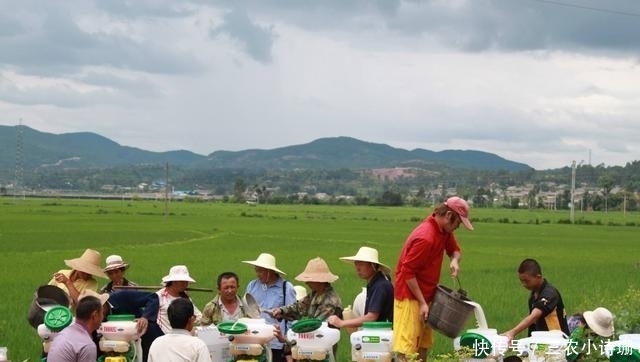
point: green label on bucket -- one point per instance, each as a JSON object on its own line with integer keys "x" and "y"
{"x": 370, "y": 339}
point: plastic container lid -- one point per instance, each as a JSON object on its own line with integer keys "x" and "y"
{"x": 473, "y": 340}
{"x": 231, "y": 327}
{"x": 377, "y": 325}
{"x": 58, "y": 318}
{"x": 120, "y": 317}
{"x": 306, "y": 325}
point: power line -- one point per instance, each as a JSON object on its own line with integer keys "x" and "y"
{"x": 602, "y": 10}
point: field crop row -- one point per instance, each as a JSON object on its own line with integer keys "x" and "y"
{"x": 592, "y": 264}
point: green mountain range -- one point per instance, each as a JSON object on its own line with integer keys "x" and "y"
{"x": 33, "y": 150}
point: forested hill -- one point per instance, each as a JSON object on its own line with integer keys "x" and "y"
{"x": 34, "y": 149}
{"x": 351, "y": 153}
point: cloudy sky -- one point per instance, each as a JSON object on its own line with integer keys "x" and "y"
{"x": 536, "y": 81}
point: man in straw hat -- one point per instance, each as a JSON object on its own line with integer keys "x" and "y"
{"x": 270, "y": 291}
{"x": 115, "y": 271}
{"x": 322, "y": 302}
{"x": 81, "y": 275}
{"x": 418, "y": 275}
{"x": 378, "y": 306}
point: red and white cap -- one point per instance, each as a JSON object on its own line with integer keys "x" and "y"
{"x": 460, "y": 207}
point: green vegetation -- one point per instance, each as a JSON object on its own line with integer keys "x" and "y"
{"x": 593, "y": 263}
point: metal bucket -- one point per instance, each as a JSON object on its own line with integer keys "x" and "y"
{"x": 45, "y": 295}
{"x": 449, "y": 312}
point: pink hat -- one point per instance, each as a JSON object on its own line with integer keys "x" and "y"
{"x": 461, "y": 208}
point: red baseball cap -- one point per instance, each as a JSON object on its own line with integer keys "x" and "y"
{"x": 461, "y": 208}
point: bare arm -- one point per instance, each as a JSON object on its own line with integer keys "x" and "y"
{"x": 454, "y": 265}
{"x": 525, "y": 323}
{"x": 417, "y": 293}
{"x": 354, "y": 322}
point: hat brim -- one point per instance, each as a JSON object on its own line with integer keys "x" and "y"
{"x": 351, "y": 259}
{"x": 466, "y": 223}
{"x": 316, "y": 277}
{"x": 168, "y": 278}
{"x": 258, "y": 264}
{"x": 81, "y": 265}
{"x": 594, "y": 326}
{"x": 117, "y": 266}
{"x": 104, "y": 297}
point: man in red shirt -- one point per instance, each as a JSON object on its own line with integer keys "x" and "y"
{"x": 418, "y": 275}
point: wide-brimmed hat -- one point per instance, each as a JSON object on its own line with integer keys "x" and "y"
{"x": 266, "y": 261}
{"x": 115, "y": 262}
{"x": 301, "y": 292}
{"x": 88, "y": 262}
{"x": 367, "y": 255}
{"x": 600, "y": 320}
{"x": 178, "y": 273}
{"x": 104, "y": 297}
{"x": 460, "y": 207}
{"x": 317, "y": 270}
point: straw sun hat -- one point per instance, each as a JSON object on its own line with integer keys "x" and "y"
{"x": 104, "y": 297}
{"x": 115, "y": 262}
{"x": 266, "y": 261}
{"x": 600, "y": 320}
{"x": 88, "y": 262}
{"x": 317, "y": 270}
{"x": 367, "y": 255}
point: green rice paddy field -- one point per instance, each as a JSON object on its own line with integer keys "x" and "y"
{"x": 593, "y": 263}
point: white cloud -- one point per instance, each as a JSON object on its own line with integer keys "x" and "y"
{"x": 263, "y": 74}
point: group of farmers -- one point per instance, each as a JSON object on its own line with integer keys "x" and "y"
{"x": 405, "y": 302}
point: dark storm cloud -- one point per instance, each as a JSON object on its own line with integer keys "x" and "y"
{"x": 256, "y": 40}
{"x": 477, "y": 25}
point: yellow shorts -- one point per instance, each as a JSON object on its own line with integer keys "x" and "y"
{"x": 410, "y": 332}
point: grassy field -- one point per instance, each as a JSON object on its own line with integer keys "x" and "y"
{"x": 593, "y": 263}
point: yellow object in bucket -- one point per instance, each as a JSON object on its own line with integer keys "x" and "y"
{"x": 115, "y": 359}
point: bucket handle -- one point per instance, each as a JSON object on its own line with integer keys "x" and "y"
{"x": 460, "y": 290}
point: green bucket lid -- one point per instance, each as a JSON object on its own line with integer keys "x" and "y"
{"x": 232, "y": 327}
{"x": 377, "y": 325}
{"x": 120, "y": 317}
{"x": 480, "y": 344}
{"x": 624, "y": 354}
{"x": 306, "y": 325}
{"x": 58, "y": 318}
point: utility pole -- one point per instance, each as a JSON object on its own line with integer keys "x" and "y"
{"x": 572, "y": 205}
{"x": 166, "y": 191}
{"x": 19, "y": 170}
{"x": 573, "y": 191}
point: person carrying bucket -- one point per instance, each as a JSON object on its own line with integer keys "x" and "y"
{"x": 418, "y": 274}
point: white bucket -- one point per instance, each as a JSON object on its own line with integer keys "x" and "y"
{"x": 322, "y": 338}
{"x": 119, "y": 331}
{"x": 373, "y": 342}
{"x": 216, "y": 341}
{"x": 549, "y": 346}
{"x": 258, "y": 332}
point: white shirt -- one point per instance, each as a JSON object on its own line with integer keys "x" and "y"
{"x": 164, "y": 299}
{"x": 178, "y": 346}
